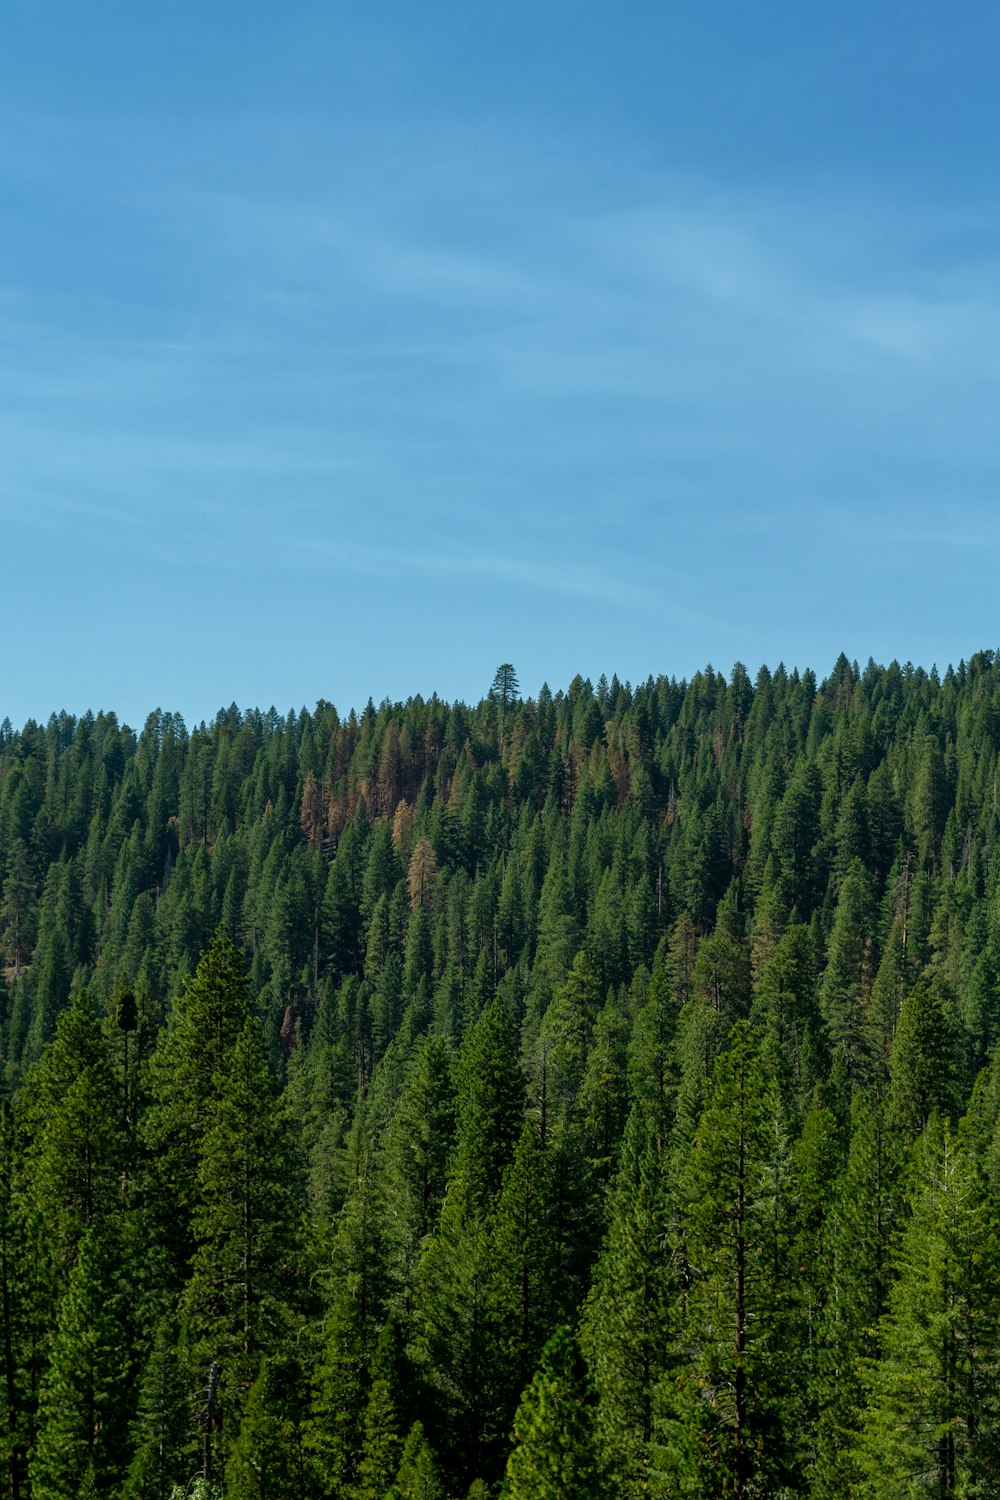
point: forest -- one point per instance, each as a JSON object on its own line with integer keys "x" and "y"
{"x": 591, "y": 1096}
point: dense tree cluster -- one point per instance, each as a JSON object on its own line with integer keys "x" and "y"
{"x": 588, "y": 1096}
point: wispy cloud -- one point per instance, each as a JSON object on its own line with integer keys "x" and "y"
{"x": 665, "y": 357}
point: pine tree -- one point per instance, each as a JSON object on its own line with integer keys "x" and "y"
{"x": 334, "y": 1431}
{"x": 18, "y": 907}
{"x": 15, "y": 1307}
{"x": 603, "y": 1097}
{"x": 786, "y": 1007}
{"x": 924, "y": 1064}
{"x": 240, "y": 1300}
{"x": 84, "y": 1407}
{"x": 867, "y": 1213}
{"x": 185, "y": 1076}
{"x": 268, "y": 1461}
{"x": 565, "y": 1039}
{"x": 417, "y": 1477}
{"x": 735, "y": 1229}
{"x": 71, "y": 1106}
{"x": 523, "y": 1289}
{"x": 419, "y": 1142}
{"x": 504, "y": 693}
{"x": 381, "y": 1451}
{"x": 933, "y": 1418}
{"x": 817, "y": 1161}
{"x": 555, "y": 1451}
{"x": 456, "y": 1345}
{"x": 490, "y": 1104}
{"x": 651, "y": 1056}
{"x": 849, "y": 968}
{"x": 161, "y": 1434}
{"x": 629, "y": 1309}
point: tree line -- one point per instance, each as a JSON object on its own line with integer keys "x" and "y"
{"x": 586, "y": 1095}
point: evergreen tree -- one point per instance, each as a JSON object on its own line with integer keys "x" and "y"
{"x": 924, "y": 1065}
{"x": 931, "y": 1426}
{"x": 240, "y": 1300}
{"x": 84, "y": 1408}
{"x": 629, "y": 1310}
{"x": 419, "y": 1142}
{"x": 524, "y": 1291}
{"x": 490, "y": 1104}
{"x": 867, "y": 1214}
{"x": 15, "y": 1309}
{"x": 334, "y": 1431}
{"x": 185, "y": 1076}
{"x": 76, "y": 1150}
{"x": 555, "y": 1452}
{"x": 733, "y": 1317}
{"x": 849, "y": 969}
{"x": 417, "y": 1478}
{"x": 381, "y": 1451}
{"x": 268, "y": 1462}
{"x": 162, "y": 1431}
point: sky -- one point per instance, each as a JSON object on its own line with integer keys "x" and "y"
{"x": 347, "y": 352}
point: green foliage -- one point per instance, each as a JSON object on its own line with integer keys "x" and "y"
{"x": 924, "y": 1064}
{"x": 418, "y": 1477}
{"x": 931, "y": 1424}
{"x": 86, "y": 1394}
{"x": 239, "y": 1301}
{"x": 186, "y": 1071}
{"x": 161, "y": 1431}
{"x": 555, "y": 1453}
{"x": 645, "y": 1008}
{"x": 268, "y": 1460}
{"x": 732, "y": 1326}
{"x": 628, "y": 1311}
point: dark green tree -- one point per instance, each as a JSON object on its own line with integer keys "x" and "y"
{"x": 932, "y": 1424}
{"x": 735, "y": 1225}
{"x": 84, "y": 1407}
{"x": 240, "y": 1301}
{"x": 555, "y": 1455}
{"x": 629, "y": 1310}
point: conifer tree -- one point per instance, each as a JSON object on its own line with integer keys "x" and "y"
{"x": 419, "y": 1141}
{"x": 867, "y": 1214}
{"x": 162, "y": 1430}
{"x": 735, "y": 1230}
{"x": 850, "y": 968}
{"x": 71, "y": 1173}
{"x": 785, "y": 1005}
{"x": 933, "y": 1418}
{"x": 268, "y": 1460}
{"x": 381, "y": 1449}
{"x": 555, "y": 1454}
{"x": 651, "y": 1056}
{"x": 628, "y": 1311}
{"x": 417, "y": 1477}
{"x": 334, "y": 1431}
{"x": 15, "y": 1307}
{"x": 523, "y": 1292}
{"x": 924, "y": 1064}
{"x": 603, "y": 1097}
{"x": 490, "y": 1104}
{"x": 239, "y": 1302}
{"x": 565, "y": 1038}
{"x": 84, "y": 1407}
{"x": 817, "y": 1161}
{"x": 461, "y": 1370}
{"x": 185, "y": 1075}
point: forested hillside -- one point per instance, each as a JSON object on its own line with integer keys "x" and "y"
{"x": 591, "y": 1095}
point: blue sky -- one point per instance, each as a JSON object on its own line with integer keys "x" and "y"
{"x": 350, "y": 351}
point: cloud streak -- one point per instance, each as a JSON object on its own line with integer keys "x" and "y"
{"x": 633, "y": 398}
